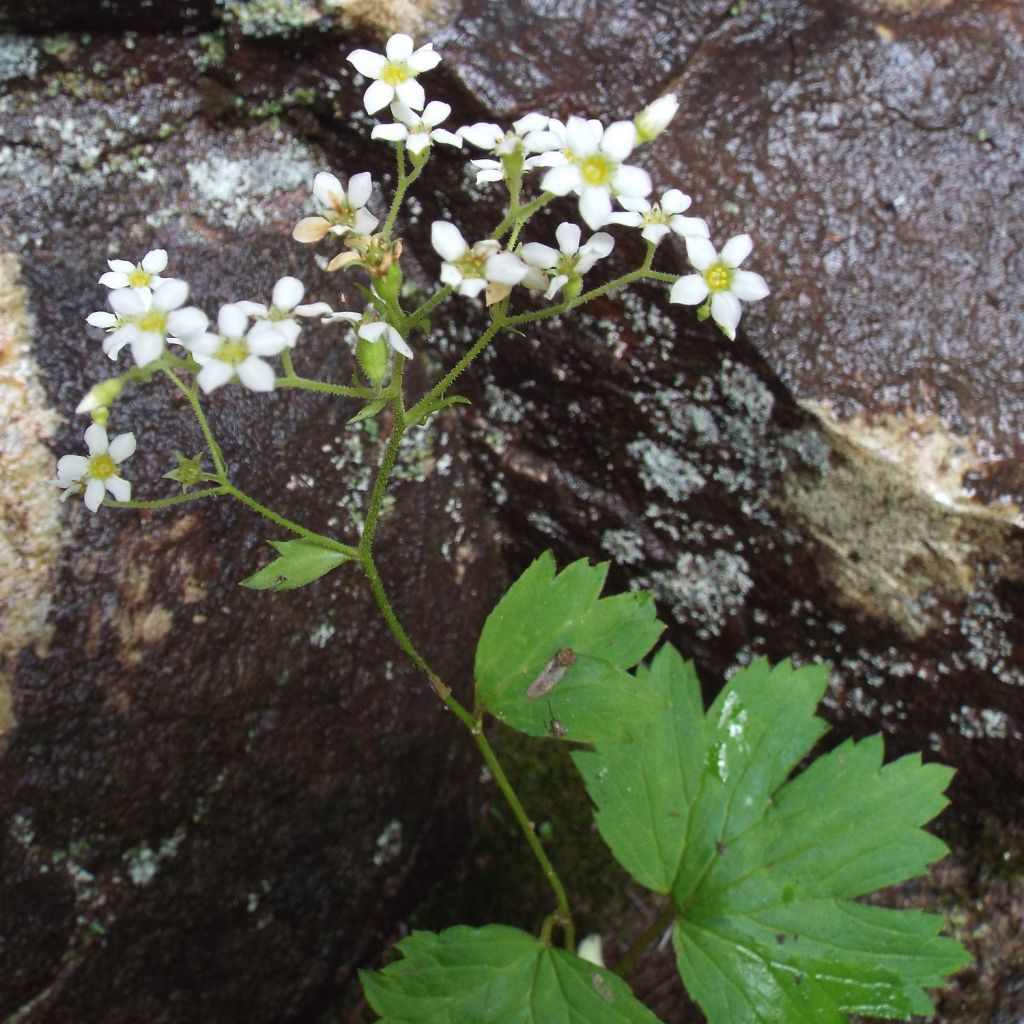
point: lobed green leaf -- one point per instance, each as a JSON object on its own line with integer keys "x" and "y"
{"x": 301, "y": 561}
{"x": 544, "y": 613}
{"x": 500, "y": 975}
{"x": 763, "y": 869}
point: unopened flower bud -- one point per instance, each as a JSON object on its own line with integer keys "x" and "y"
{"x": 655, "y": 117}
{"x": 101, "y": 396}
{"x": 101, "y": 415}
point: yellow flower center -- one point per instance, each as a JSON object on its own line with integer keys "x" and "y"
{"x": 596, "y": 170}
{"x": 139, "y": 278}
{"x": 153, "y": 322}
{"x": 232, "y": 351}
{"x": 101, "y": 467}
{"x": 718, "y": 277}
{"x": 394, "y": 74}
{"x": 472, "y": 265}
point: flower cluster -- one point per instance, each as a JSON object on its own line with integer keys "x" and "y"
{"x": 577, "y": 156}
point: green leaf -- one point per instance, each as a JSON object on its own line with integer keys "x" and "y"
{"x": 368, "y": 410}
{"x": 763, "y": 871}
{"x": 301, "y": 561}
{"x": 500, "y": 975}
{"x": 543, "y": 614}
{"x": 437, "y": 405}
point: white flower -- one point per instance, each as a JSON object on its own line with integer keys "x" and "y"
{"x": 371, "y": 329}
{"x": 95, "y": 474}
{"x": 341, "y": 211}
{"x": 658, "y": 219}
{"x": 655, "y": 118}
{"x": 594, "y": 169}
{"x": 570, "y": 259}
{"x": 530, "y": 134}
{"x": 417, "y": 130}
{"x": 146, "y": 321}
{"x": 720, "y": 279}
{"x": 123, "y": 274}
{"x": 395, "y": 72}
{"x": 284, "y": 308}
{"x": 234, "y": 354}
{"x": 470, "y": 270}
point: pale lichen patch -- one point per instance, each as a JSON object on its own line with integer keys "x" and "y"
{"x": 30, "y": 532}
{"x": 898, "y": 534}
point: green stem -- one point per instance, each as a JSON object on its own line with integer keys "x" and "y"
{"x": 323, "y": 388}
{"x": 449, "y": 378}
{"x": 423, "y": 311}
{"x": 401, "y": 187}
{"x": 286, "y": 362}
{"x": 521, "y": 214}
{"x": 274, "y": 517}
{"x": 564, "y": 915}
{"x": 652, "y": 933}
{"x": 387, "y": 464}
{"x": 177, "y": 499}
{"x": 193, "y": 399}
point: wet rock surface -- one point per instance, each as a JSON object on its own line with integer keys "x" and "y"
{"x": 806, "y": 491}
{"x": 215, "y": 800}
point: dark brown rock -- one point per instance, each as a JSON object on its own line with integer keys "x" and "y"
{"x": 215, "y": 801}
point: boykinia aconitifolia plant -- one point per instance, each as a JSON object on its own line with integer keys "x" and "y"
{"x": 761, "y": 871}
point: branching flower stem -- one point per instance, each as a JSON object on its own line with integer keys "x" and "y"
{"x": 473, "y": 722}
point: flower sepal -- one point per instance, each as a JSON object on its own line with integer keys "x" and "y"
{"x": 373, "y": 358}
{"x": 190, "y": 472}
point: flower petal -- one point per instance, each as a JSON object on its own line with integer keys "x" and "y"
{"x": 700, "y": 252}
{"x": 288, "y": 293}
{"x": 155, "y": 261}
{"x": 147, "y": 348}
{"x": 725, "y": 310}
{"x": 122, "y": 447}
{"x": 595, "y": 206}
{"x": 618, "y": 140}
{"x": 379, "y": 95}
{"x": 568, "y": 235}
{"x": 689, "y": 226}
{"x": 411, "y": 93}
{"x": 255, "y": 374}
{"x": 581, "y": 137}
{"x": 96, "y": 440}
{"x": 505, "y": 268}
{"x": 447, "y": 137}
{"x": 748, "y": 286}
{"x": 327, "y": 190}
{"x": 447, "y": 240}
{"x": 310, "y": 229}
{"x": 72, "y": 467}
{"x": 313, "y": 309}
{"x": 689, "y": 290}
{"x": 736, "y": 250}
{"x": 114, "y": 279}
{"x": 213, "y": 375}
{"x": 94, "y": 493}
{"x": 537, "y": 254}
{"x": 483, "y": 134}
{"x": 424, "y": 59}
{"x": 399, "y": 47}
{"x": 674, "y": 201}
{"x": 127, "y": 302}
{"x": 367, "y": 63}
{"x": 266, "y": 339}
{"x": 231, "y": 321}
{"x": 397, "y": 342}
{"x": 121, "y": 266}
{"x": 187, "y": 322}
{"x": 101, "y": 319}
{"x": 631, "y": 181}
{"x": 170, "y": 295}
{"x": 390, "y": 132}
{"x": 120, "y": 488}
{"x": 561, "y": 180}
{"x": 360, "y": 187}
